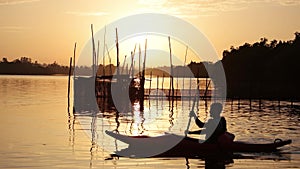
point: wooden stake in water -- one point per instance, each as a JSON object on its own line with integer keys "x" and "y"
{"x": 171, "y": 82}
{"x": 190, "y": 88}
{"x": 157, "y": 82}
{"x": 132, "y": 62}
{"x": 140, "y": 61}
{"x": 150, "y": 83}
{"x": 74, "y": 54}
{"x": 162, "y": 84}
{"x": 69, "y": 83}
{"x": 117, "y": 46}
{"x": 144, "y": 63}
{"x": 104, "y": 45}
{"x": 144, "y": 69}
{"x": 97, "y": 56}
{"x": 176, "y": 94}
{"x": 205, "y": 92}
{"x": 184, "y": 64}
{"x": 94, "y": 51}
{"x": 110, "y": 68}
{"x": 123, "y": 66}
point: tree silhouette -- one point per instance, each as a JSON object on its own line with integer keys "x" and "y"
{"x": 263, "y": 69}
{"x": 24, "y": 66}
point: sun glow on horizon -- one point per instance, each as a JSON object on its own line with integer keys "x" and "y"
{"x": 157, "y": 52}
{"x": 45, "y": 32}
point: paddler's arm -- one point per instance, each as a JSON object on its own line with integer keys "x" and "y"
{"x": 199, "y": 123}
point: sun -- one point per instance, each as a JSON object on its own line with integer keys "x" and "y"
{"x": 157, "y": 51}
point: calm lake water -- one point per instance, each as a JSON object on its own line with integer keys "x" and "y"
{"x": 37, "y": 131}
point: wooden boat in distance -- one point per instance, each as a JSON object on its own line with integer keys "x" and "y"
{"x": 146, "y": 146}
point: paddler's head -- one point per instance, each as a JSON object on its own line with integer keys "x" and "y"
{"x": 216, "y": 110}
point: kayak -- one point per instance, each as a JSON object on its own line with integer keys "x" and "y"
{"x": 172, "y": 145}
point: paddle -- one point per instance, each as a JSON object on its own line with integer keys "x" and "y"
{"x": 190, "y": 119}
{"x": 195, "y": 132}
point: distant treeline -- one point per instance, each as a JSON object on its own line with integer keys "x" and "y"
{"x": 24, "y": 66}
{"x": 264, "y": 69}
{"x": 260, "y": 70}
{"x": 193, "y": 69}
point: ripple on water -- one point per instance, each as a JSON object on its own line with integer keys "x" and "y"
{"x": 36, "y": 131}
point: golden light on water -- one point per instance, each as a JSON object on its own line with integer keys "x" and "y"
{"x": 37, "y": 131}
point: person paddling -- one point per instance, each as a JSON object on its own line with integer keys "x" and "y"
{"x": 215, "y": 127}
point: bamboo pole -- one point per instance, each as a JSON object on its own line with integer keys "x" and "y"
{"x": 140, "y": 60}
{"x": 97, "y": 57}
{"x": 150, "y": 83}
{"x": 172, "y": 83}
{"x": 110, "y": 69}
{"x": 186, "y": 50}
{"x": 206, "y": 90}
{"x": 143, "y": 74}
{"x": 198, "y": 86}
{"x": 133, "y": 69}
{"x": 157, "y": 82}
{"x": 117, "y": 46}
{"x": 132, "y": 62}
{"x": 177, "y": 81}
{"x": 144, "y": 63}
{"x": 131, "y": 72}
{"x": 123, "y": 64}
{"x": 74, "y": 55}
{"x": 69, "y": 83}
{"x": 103, "y": 74}
{"x": 94, "y": 55}
{"x": 104, "y": 45}
{"x": 190, "y": 88}
{"x": 184, "y": 64}
{"x": 162, "y": 84}
{"x": 96, "y": 69}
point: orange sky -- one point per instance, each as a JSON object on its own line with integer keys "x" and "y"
{"x": 46, "y": 30}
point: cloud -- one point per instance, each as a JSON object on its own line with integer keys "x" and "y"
{"x": 152, "y": 2}
{"x": 196, "y": 8}
{"x": 288, "y": 2}
{"x": 15, "y": 2}
{"x": 192, "y": 8}
{"x": 13, "y": 28}
{"x": 87, "y": 13}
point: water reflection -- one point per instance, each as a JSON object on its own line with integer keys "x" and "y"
{"x": 37, "y": 132}
{"x": 160, "y": 115}
{"x": 250, "y": 120}
{"x": 215, "y": 163}
{"x": 71, "y": 128}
